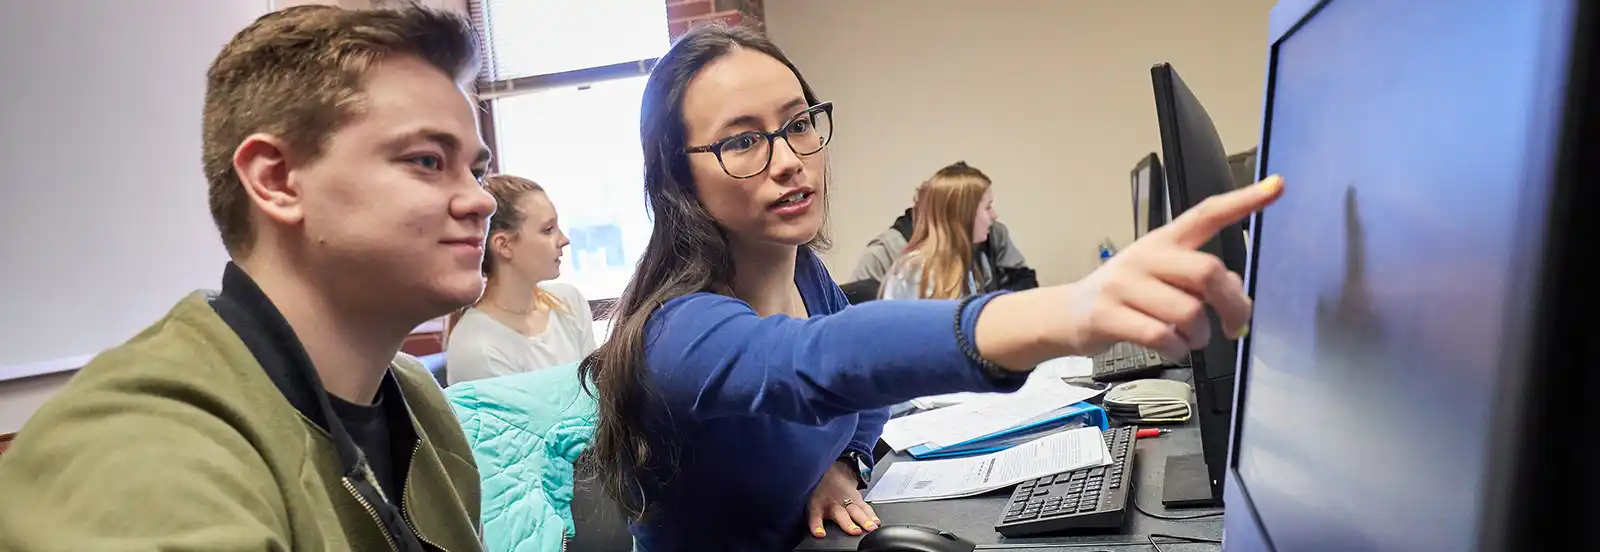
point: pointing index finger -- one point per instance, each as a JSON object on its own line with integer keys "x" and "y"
{"x": 1196, "y": 226}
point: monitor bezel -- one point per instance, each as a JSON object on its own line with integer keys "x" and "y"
{"x": 1286, "y": 17}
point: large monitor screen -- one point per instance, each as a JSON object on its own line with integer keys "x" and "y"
{"x": 1385, "y": 273}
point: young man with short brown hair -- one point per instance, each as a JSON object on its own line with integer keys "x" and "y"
{"x": 343, "y": 158}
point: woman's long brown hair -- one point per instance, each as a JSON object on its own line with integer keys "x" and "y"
{"x": 687, "y": 253}
{"x": 941, "y": 239}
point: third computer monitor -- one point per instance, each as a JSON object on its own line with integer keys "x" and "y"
{"x": 1150, "y": 207}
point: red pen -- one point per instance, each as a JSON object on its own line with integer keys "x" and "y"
{"x": 1150, "y": 432}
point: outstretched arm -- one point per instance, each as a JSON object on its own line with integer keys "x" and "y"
{"x": 712, "y": 356}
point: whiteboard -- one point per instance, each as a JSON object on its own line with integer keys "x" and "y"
{"x": 103, "y": 223}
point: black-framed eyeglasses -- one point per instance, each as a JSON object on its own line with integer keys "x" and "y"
{"x": 747, "y": 154}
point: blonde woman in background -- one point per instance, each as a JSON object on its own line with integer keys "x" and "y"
{"x": 524, "y": 321}
{"x": 953, "y": 211}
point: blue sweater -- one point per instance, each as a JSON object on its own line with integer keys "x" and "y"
{"x": 756, "y": 409}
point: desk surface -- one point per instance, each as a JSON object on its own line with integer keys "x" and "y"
{"x": 973, "y": 518}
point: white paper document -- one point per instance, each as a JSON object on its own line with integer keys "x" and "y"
{"x": 986, "y": 414}
{"x": 911, "y": 481}
{"x": 1064, "y": 367}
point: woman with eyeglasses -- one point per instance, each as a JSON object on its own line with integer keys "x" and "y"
{"x": 738, "y": 397}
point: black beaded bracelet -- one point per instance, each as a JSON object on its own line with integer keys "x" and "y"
{"x": 991, "y": 370}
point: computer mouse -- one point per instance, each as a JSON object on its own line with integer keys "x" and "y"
{"x": 913, "y": 538}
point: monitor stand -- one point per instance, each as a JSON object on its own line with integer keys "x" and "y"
{"x": 1187, "y": 484}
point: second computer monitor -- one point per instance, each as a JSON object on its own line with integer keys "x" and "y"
{"x": 1197, "y": 168}
{"x": 1150, "y": 207}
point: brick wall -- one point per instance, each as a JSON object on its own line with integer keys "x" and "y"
{"x": 684, "y": 14}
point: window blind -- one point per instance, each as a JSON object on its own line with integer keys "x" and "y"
{"x": 531, "y": 44}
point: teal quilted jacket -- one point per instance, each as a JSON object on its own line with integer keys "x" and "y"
{"x": 526, "y": 431}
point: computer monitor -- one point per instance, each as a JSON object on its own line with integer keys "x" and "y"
{"x": 1150, "y": 209}
{"x": 1422, "y": 356}
{"x": 1243, "y": 167}
{"x": 1197, "y": 168}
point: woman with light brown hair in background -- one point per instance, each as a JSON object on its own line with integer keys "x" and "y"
{"x": 524, "y": 321}
{"x": 953, "y": 211}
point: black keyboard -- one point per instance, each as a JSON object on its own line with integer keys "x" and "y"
{"x": 1126, "y": 361}
{"x": 1090, "y": 499}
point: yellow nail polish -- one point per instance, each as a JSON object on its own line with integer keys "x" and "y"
{"x": 854, "y": 527}
{"x": 817, "y": 531}
{"x": 1243, "y": 331}
{"x": 1272, "y": 184}
{"x": 872, "y": 526}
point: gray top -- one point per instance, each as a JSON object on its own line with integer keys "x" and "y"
{"x": 482, "y": 347}
{"x": 884, "y": 249}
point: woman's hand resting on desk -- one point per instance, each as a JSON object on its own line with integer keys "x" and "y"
{"x": 1153, "y": 293}
{"x": 836, "y": 499}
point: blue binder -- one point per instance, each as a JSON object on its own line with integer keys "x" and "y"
{"x": 1072, "y": 416}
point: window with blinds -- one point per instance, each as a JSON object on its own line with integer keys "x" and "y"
{"x": 542, "y": 43}
{"x": 562, "y": 83}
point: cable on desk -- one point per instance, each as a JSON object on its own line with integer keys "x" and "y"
{"x": 1180, "y": 538}
{"x": 1190, "y": 517}
{"x": 1052, "y": 546}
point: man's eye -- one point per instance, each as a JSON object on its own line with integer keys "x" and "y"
{"x": 801, "y": 125}
{"x": 430, "y": 162}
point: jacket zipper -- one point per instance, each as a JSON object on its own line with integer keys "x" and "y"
{"x": 372, "y": 512}
{"x": 565, "y": 540}
{"x": 407, "y": 515}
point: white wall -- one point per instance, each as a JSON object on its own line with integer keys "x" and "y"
{"x": 19, "y": 399}
{"x": 1051, "y": 98}
{"x": 104, "y": 223}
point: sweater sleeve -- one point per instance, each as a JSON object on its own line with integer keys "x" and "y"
{"x": 875, "y": 261}
{"x": 869, "y": 427}
{"x": 712, "y": 356}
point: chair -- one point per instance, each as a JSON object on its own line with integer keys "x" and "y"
{"x": 861, "y": 291}
{"x": 435, "y": 363}
{"x": 600, "y": 523}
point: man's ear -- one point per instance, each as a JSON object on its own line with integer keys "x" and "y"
{"x": 262, "y": 163}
